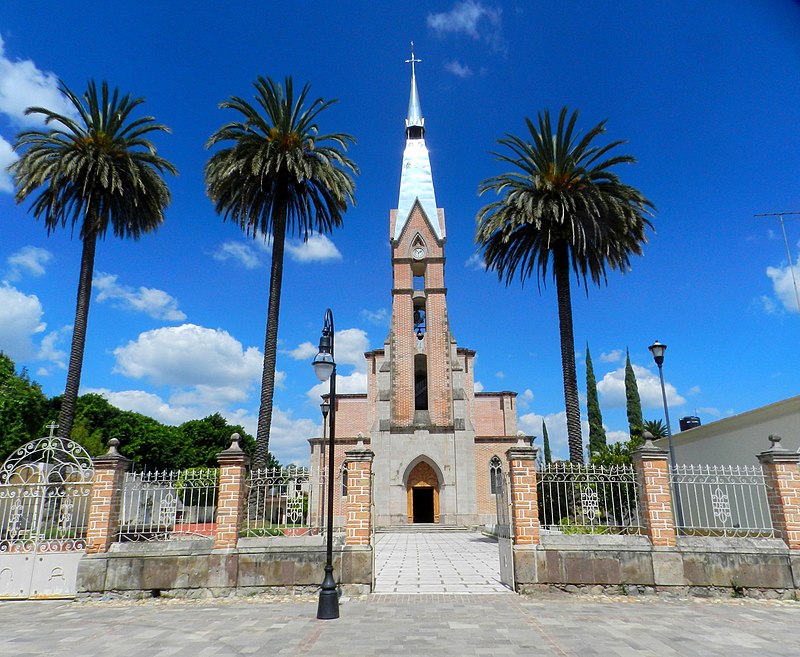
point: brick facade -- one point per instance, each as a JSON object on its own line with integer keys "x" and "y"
{"x": 233, "y": 464}
{"x": 524, "y": 497}
{"x": 103, "y": 520}
{"x": 359, "y": 495}
{"x": 783, "y": 489}
{"x": 655, "y": 498}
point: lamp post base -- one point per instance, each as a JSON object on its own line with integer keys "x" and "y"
{"x": 328, "y": 606}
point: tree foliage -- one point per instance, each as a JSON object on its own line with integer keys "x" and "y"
{"x": 562, "y": 210}
{"x": 597, "y": 433}
{"x": 277, "y": 174}
{"x": 24, "y": 409}
{"x": 633, "y": 403}
{"x": 656, "y": 427}
{"x": 98, "y": 170}
{"x": 548, "y": 455}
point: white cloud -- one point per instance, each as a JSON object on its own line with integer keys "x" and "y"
{"x": 476, "y": 262}
{"x": 23, "y": 85}
{"x": 318, "y": 248}
{"x": 22, "y": 319}
{"x": 710, "y": 410}
{"x": 616, "y": 437}
{"x": 239, "y": 252}
{"x": 500, "y": 374}
{"x": 612, "y": 389}
{"x": 380, "y": 317}
{"x": 473, "y": 19}
{"x": 478, "y": 386}
{"x": 148, "y": 404}
{"x": 524, "y": 400}
{"x": 151, "y": 301}
{"x": 288, "y": 437}
{"x": 7, "y": 158}
{"x": 28, "y": 260}
{"x": 613, "y": 356}
{"x": 783, "y": 287}
{"x": 304, "y": 351}
{"x": 348, "y": 384}
{"x": 48, "y": 350}
{"x": 189, "y": 355}
{"x": 457, "y": 68}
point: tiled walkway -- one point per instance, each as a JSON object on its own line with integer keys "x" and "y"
{"x": 437, "y": 562}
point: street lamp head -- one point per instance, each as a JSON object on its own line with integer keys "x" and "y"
{"x": 323, "y": 365}
{"x": 658, "y": 349}
{"x": 325, "y": 407}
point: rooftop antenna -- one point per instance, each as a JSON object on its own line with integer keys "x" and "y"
{"x": 780, "y": 216}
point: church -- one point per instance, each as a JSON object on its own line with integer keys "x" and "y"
{"x": 438, "y": 443}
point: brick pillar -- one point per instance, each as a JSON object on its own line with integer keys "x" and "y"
{"x": 783, "y": 490}
{"x": 103, "y": 521}
{"x": 524, "y": 497}
{"x": 655, "y": 499}
{"x": 233, "y": 464}
{"x": 359, "y": 494}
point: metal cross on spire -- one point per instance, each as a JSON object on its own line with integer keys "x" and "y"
{"x": 413, "y": 60}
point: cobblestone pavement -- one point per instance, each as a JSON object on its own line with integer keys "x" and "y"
{"x": 410, "y": 625}
{"x": 437, "y": 562}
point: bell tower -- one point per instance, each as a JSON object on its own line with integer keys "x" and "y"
{"x": 420, "y": 353}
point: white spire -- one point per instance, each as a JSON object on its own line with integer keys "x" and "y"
{"x": 416, "y": 178}
{"x": 414, "y": 118}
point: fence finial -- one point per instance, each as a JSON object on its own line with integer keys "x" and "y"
{"x": 775, "y": 439}
{"x": 235, "y": 447}
{"x": 521, "y": 438}
{"x": 112, "y": 447}
{"x": 648, "y": 440}
{"x": 360, "y": 443}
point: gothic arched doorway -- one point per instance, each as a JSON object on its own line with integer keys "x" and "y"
{"x": 423, "y": 494}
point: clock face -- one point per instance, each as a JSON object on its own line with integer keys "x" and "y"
{"x": 419, "y": 253}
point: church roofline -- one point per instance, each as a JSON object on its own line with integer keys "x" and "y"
{"x": 496, "y": 393}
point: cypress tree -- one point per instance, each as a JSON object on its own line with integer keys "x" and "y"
{"x": 597, "y": 434}
{"x": 548, "y": 456}
{"x": 633, "y": 403}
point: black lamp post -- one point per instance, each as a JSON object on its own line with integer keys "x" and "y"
{"x": 658, "y": 349}
{"x": 325, "y": 407}
{"x": 325, "y": 368}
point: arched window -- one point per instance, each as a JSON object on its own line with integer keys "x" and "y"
{"x": 344, "y": 480}
{"x": 495, "y": 475}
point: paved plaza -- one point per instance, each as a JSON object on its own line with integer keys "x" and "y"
{"x": 437, "y": 562}
{"x": 386, "y": 625}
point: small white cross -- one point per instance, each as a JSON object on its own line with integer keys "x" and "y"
{"x": 52, "y": 426}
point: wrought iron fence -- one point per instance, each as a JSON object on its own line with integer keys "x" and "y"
{"x": 169, "y": 505}
{"x": 588, "y": 499}
{"x": 283, "y": 502}
{"x": 721, "y": 500}
{"x": 43, "y": 516}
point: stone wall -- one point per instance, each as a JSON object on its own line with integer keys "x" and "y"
{"x": 193, "y": 569}
{"x": 631, "y": 564}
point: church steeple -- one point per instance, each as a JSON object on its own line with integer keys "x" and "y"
{"x": 416, "y": 179}
{"x": 415, "y": 124}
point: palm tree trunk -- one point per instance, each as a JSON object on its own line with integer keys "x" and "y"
{"x": 67, "y": 414}
{"x": 573, "y": 410}
{"x": 261, "y": 456}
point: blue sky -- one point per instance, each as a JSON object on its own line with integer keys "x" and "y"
{"x": 708, "y": 100}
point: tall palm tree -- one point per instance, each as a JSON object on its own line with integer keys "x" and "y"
{"x": 562, "y": 207}
{"x": 98, "y": 170}
{"x": 278, "y": 175}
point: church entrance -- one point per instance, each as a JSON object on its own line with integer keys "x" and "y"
{"x": 423, "y": 495}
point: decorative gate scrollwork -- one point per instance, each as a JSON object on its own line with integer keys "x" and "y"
{"x": 45, "y": 489}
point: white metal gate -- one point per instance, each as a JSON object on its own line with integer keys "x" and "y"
{"x": 45, "y": 489}
{"x": 505, "y": 531}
